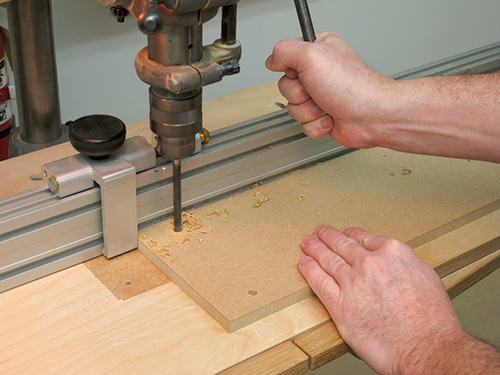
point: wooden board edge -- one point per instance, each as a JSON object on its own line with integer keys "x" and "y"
{"x": 270, "y": 309}
{"x": 179, "y": 281}
{"x": 462, "y": 250}
{"x": 461, "y": 280}
{"x": 284, "y": 359}
{"x": 322, "y": 345}
{"x": 453, "y": 225}
{"x": 468, "y": 257}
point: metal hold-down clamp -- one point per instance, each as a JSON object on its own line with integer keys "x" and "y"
{"x": 112, "y": 162}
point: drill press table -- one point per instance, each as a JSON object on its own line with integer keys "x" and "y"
{"x": 91, "y": 319}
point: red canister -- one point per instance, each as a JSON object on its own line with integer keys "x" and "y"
{"x": 6, "y": 118}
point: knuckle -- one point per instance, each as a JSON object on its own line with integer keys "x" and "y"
{"x": 314, "y": 248}
{"x": 367, "y": 238}
{"x": 278, "y": 47}
{"x": 343, "y": 243}
{"x": 369, "y": 262}
{"x": 324, "y": 287}
{"x": 395, "y": 247}
{"x": 330, "y": 262}
{"x": 299, "y": 91}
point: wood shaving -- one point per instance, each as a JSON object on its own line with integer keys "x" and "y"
{"x": 305, "y": 184}
{"x": 164, "y": 251}
{"x": 262, "y": 200}
{"x": 225, "y": 211}
{"x": 199, "y": 240}
{"x": 186, "y": 240}
{"x": 302, "y": 197}
{"x": 258, "y": 183}
{"x": 206, "y": 231}
{"x": 216, "y": 212}
{"x": 190, "y": 222}
{"x": 405, "y": 171}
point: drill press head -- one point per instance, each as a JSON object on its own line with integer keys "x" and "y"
{"x": 177, "y": 65}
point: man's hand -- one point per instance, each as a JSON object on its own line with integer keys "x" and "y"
{"x": 388, "y": 305}
{"x": 330, "y": 90}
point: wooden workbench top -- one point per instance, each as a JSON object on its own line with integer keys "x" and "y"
{"x": 72, "y": 323}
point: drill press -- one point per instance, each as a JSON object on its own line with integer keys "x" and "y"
{"x": 177, "y": 65}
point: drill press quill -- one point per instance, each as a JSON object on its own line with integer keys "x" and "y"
{"x": 177, "y": 65}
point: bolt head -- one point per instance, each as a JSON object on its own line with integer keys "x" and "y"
{"x": 53, "y": 184}
{"x": 173, "y": 84}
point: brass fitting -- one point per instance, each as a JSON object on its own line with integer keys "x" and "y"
{"x": 205, "y": 136}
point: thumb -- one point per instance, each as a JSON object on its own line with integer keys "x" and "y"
{"x": 287, "y": 54}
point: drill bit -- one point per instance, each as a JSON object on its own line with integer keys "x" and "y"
{"x": 176, "y": 175}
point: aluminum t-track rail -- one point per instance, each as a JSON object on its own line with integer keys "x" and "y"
{"x": 41, "y": 233}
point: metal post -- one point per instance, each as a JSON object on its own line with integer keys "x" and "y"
{"x": 35, "y": 72}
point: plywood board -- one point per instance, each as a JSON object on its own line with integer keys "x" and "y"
{"x": 239, "y": 261}
{"x": 285, "y": 359}
{"x": 462, "y": 246}
{"x": 69, "y": 323}
{"x": 462, "y": 279}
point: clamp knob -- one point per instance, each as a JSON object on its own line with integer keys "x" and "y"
{"x": 97, "y": 136}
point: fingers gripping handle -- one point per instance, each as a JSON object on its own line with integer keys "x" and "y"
{"x": 305, "y": 20}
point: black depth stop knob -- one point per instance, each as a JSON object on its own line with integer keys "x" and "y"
{"x": 97, "y": 136}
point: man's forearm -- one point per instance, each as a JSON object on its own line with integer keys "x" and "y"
{"x": 456, "y": 116}
{"x": 457, "y": 355}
